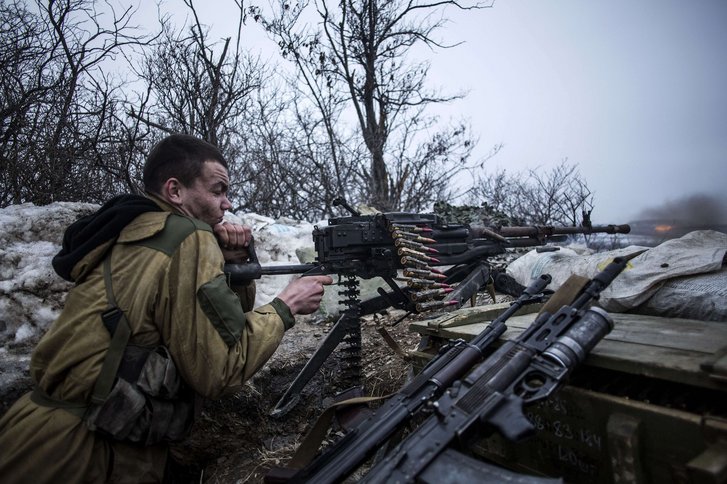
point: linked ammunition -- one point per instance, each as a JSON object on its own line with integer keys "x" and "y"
{"x": 416, "y": 283}
{"x": 423, "y": 273}
{"x": 493, "y": 235}
{"x": 410, "y": 228}
{"x": 417, "y": 254}
{"x": 349, "y": 293}
{"x": 408, "y": 260}
{"x": 402, "y": 242}
{"x": 397, "y": 234}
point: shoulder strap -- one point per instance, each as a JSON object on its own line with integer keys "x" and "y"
{"x": 39, "y": 397}
{"x": 116, "y": 323}
{"x": 176, "y": 229}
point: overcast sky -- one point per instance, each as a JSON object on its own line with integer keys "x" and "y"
{"x": 633, "y": 92}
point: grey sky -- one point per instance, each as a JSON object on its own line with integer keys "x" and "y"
{"x": 633, "y": 92}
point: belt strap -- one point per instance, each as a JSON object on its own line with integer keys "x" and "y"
{"x": 310, "y": 444}
{"x": 39, "y": 397}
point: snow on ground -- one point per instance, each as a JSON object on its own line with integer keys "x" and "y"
{"x": 32, "y": 294}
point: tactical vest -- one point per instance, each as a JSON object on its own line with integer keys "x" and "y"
{"x": 138, "y": 396}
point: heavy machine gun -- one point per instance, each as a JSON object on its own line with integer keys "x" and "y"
{"x": 468, "y": 386}
{"x": 406, "y": 248}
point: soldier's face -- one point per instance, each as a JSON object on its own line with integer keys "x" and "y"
{"x": 206, "y": 199}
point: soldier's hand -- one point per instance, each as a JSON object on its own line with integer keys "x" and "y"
{"x": 303, "y": 295}
{"x": 234, "y": 240}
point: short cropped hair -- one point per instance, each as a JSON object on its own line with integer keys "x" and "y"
{"x": 178, "y": 156}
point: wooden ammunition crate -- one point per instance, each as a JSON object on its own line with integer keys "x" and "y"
{"x": 649, "y": 405}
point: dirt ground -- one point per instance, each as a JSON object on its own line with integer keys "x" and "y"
{"x": 236, "y": 440}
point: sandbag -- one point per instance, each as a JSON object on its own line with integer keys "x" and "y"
{"x": 684, "y": 275}
{"x": 700, "y": 296}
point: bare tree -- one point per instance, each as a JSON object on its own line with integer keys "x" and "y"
{"x": 287, "y": 177}
{"x": 500, "y": 193}
{"x": 302, "y": 172}
{"x": 360, "y": 53}
{"x": 22, "y": 59}
{"x": 195, "y": 85}
{"x": 324, "y": 158}
{"x": 61, "y": 104}
{"x": 576, "y": 202}
{"x": 559, "y": 196}
{"x": 208, "y": 88}
{"x": 279, "y": 151}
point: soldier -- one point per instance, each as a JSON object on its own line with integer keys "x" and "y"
{"x": 150, "y": 327}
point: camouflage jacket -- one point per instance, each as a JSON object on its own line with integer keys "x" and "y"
{"x": 174, "y": 293}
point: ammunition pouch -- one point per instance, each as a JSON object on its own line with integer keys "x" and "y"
{"x": 148, "y": 402}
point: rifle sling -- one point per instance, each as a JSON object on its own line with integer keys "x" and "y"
{"x": 565, "y": 294}
{"x": 312, "y": 441}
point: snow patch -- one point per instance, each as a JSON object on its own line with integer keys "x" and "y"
{"x": 32, "y": 294}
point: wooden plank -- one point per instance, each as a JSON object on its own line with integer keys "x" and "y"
{"x": 680, "y": 366}
{"x": 706, "y": 337}
{"x": 667, "y": 348}
{"x": 473, "y": 315}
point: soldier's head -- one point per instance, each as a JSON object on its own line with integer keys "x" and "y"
{"x": 179, "y": 156}
{"x": 191, "y": 175}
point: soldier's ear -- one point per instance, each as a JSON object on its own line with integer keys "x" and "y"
{"x": 173, "y": 192}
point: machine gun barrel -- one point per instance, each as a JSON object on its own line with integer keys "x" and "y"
{"x": 243, "y": 273}
{"x": 539, "y": 231}
{"x": 382, "y": 245}
{"x": 359, "y": 248}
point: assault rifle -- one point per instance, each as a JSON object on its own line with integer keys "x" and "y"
{"x": 408, "y": 248}
{"x": 520, "y": 372}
